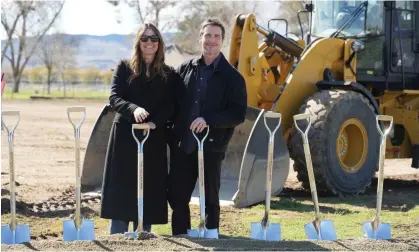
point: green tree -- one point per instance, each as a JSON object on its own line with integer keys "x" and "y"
{"x": 106, "y": 77}
{"x": 37, "y": 75}
{"x": 91, "y": 75}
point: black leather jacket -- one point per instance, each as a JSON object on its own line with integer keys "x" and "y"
{"x": 223, "y": 108}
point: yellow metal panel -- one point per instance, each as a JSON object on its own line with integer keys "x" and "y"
{"x": 348, "y": 75}
{"x": 249, "y": 62}
{"x": 410, "y": 120}
{"x": 302, "y": 81}
{"x": 268, "y": 91}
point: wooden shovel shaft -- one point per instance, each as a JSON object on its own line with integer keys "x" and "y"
{"x": 268, "y": 189}
{"x": 381, "y": 163}
{"x": 380, "y": 177}
{"x": 311, "y": 179}
{"x": 78, "y": 182}
{"x": 13, "y": 221}
{"x": 140, "y": 189}
{"x": 10, "y": 132}
{"x": 77, "y": 220}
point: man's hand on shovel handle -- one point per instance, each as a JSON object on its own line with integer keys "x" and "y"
{"x": 198, "y": 125}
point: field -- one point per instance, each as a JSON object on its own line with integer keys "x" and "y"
{"x": 44, "y": 163}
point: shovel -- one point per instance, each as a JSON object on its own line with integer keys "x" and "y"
{"x": 139, "y": 233}
{"x": 376, "y": 229}
{"x": 78, "y": 229}
{"x": 317, "y": 229}
{"x": 202, "y": 231}
{"x": 13, "y": 233}
{"x": 265, "y": 230}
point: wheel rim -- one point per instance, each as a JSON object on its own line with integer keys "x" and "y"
{"x": 352, "y": 151}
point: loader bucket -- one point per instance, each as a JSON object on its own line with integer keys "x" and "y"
{"x": 243, "y": 171}
{"x": 253, "y": 156}
{"x": 94, "y": 159}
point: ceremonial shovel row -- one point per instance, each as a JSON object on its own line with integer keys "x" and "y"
{"x": 83, "y": 229}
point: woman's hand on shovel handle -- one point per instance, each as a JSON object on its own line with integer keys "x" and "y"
{"x": 140, "y": 114}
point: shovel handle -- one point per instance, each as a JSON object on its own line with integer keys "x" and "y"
{"x": 384, "y": 118}
{"x": 140, "y": 172}
{"x": 309, "y": 163}
{"x": 142, "y": 126}
{"x": 272, "y": 114}
{"x": 10, "y": 133}
{"x": 201, "y": 142}
{"x": 268, "y": 189}
{"x": 77, "y": 127}
{"x": 201, "y": 179}
{"x": 381, "y": 162}
{"x": 301, "y": 117}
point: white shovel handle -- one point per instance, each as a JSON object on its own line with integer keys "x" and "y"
{"x": 381, "y": 162}
{"x": 201, "y": 179}
{"x": 268, "y": 184}
{"x": 10, "y": 133}
{"x": 307, "y": 154}
{"x": 140, "y": 172}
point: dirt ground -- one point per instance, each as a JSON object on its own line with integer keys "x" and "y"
{"x": 183, "y": 244}
{"x": 44, "y": 163}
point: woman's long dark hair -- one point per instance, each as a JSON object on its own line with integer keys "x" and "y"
{"x": 157, "y": 66}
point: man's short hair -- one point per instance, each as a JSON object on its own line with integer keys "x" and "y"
{"x": 213, "y": 22}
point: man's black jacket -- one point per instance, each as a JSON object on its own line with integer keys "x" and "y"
{"x": 223, "y": 108}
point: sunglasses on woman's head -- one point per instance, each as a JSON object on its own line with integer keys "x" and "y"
{"x": 153, "y": 38}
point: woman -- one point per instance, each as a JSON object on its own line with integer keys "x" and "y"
{"x": 140, "y": 93}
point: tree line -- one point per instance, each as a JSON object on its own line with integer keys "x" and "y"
{"x": 72, "y": 75}
{"x": 27, "y": 22}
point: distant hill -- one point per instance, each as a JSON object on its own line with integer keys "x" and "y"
{"x": 102, "y": 52}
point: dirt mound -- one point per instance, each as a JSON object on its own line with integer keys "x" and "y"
{"x": 121, "y": 243}
{"x": 64, "y": 202}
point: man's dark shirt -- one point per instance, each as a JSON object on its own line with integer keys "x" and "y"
{"x": 204, "y": 74}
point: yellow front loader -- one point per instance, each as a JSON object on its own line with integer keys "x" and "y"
{"x": 359, "y": 59}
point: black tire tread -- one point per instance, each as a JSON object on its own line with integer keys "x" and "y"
{"x": 319, "y": 106}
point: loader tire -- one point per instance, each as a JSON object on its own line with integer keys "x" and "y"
{"x": 344, "y": 142}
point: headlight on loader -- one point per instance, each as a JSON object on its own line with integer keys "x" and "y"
{"x": 357, "y": 46}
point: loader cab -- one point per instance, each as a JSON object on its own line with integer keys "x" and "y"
{"x": 388, "y": 30}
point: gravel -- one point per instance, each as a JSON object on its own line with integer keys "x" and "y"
{"x": 121, "y": 243}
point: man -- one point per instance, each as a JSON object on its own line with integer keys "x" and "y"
{"x": 214, "y": 95}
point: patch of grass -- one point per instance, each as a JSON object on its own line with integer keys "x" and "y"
{"x": 25, "y": 94}
{"x": 291, "y": 213}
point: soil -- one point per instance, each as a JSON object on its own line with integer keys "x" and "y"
{"x": 121, "y": 243}
{"x": 45, "y": 177}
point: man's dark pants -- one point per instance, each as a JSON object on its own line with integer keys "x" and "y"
{"x": 182, "y": 178}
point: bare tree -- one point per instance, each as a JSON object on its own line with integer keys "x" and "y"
{"x": 66, "y": 60}
{"x": 10, "y": 28}
{"x": 33, "y": 19}
{"x": 150, "y": 11}
{"x": 50, "y": 51}
{"x": 289, "y": 11}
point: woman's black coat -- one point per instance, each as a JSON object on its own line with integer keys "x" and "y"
{"x": 119, "y": 191}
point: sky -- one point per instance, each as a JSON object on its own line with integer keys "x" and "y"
{"x": 94, "y": 17}
{"x": 97, "y": 17}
